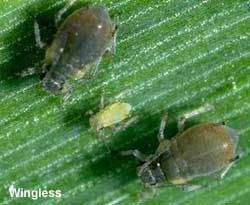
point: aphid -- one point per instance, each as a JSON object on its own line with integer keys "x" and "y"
{"x": 80, "y": 42}
{"x": 198, "y": 151}
{"x": 111, "y": 116}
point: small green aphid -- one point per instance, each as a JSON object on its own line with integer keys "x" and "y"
{"x": 80, "y": 42}
{"x": 110, "y": 115}
{"x": 198, "y": 151}
{"x": 115, "y": 116}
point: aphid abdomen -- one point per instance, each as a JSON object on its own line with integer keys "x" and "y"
{"x": 203, "y": 149}
{"x": 115, "y": 113}
{"x": 111, "y": 115}
{"x": 172, "y": 169}
{"x": 81, "y": 40}
{"x": 88, "y": 35}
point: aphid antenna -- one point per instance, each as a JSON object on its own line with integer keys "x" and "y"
{"x": 64, "y": 10}
{"x": 127, "y": 124}
{"x": 39, "y": 43}
{"x": 160, "y": 135}
{"x": 102, "y": 101}
{"x": 101, "y": 135}
{"x": 203, "y": 109}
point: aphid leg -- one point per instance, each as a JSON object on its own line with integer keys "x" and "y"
{"x": 124, "y": 125}
{"x": 39, "y": 43}
{"x": 111, "y": 50}
{"x": 154, "y": 193}
{"x": 102, "y": 103}
{"x": 182, "y": 119}
{"x": 191, "y": 187}
{"x": 67, "y": 90}
{"x": 27, "y": 72}
{"x": 79, "y": 73}
{"x": 89, "y": 113}
{"x": 116, "y": 25}
{"x": 97, "y": 63}
{"x": 101, "y": 135}
{"x": 131, "y": 121}
{"x": 228, "y": 167}
{"x": 137, "y": 154}
{"x": 58, "y": 17}
{"x": 181, "y": 124}
{"x": 37, "y": 69}
{"x": 160, "y": 135}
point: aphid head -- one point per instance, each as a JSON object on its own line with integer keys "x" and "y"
{"x": 150, "y": 173}
{"x": 51, "y": 84}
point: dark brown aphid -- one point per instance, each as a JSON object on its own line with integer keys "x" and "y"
{"x": 197, "y": 151}
{"x": 80, "y": 42}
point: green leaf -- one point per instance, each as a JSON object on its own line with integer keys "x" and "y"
{"x": 171, "y": 56}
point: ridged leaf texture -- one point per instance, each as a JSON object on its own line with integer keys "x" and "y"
{"x": 172, "y": 55}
